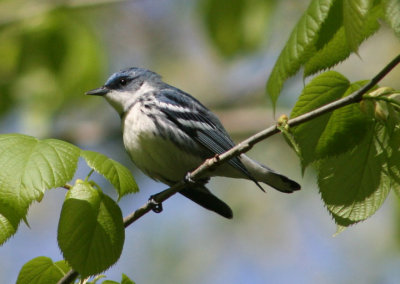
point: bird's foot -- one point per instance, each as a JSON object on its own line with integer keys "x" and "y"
{"x": 154, "y": 205}
{"x": 188, "y": 179}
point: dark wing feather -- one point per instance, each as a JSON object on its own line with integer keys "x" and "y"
{"x": 200, "y": 124}
{"x": 202, "y": 196}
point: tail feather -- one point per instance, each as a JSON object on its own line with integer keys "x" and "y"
{"x": 264, "y": 174}
{"x": 280, "y": 182}
{"x": 202, "y": 196}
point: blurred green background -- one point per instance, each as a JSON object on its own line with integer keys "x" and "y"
{"x": 221, "y": 52}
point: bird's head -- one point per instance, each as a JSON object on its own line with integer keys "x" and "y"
{"x": 125, "y": 86}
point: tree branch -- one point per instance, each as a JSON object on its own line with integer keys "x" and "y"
{"x": 245, "y": 146}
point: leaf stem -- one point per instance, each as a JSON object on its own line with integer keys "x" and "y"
{"x": 89, "y": 174}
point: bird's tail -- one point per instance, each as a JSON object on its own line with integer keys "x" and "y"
{"x": 264, "y": 174}
{"x": 202, "y": 196}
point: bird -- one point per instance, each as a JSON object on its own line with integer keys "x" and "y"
{"x": 168, "y": 133}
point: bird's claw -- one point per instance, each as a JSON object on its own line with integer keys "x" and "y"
{"x": 188, "y": 179}
{"x": 154, "y": 205}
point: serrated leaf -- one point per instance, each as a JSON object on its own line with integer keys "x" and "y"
{"x": 295, "y": 52}
{"x": 354, "y": 18}
{"x": 355, "y": 184}
{"x": 41, "y": 270}
{"x": 118, "y": 175}
{"x": 333, "y": 52}
{"x": 337, "y": 48}
{"x": 321, "y": 90}
{"x": 9, "y": 221}
{"x": 91, "y": 230}
{"x": 392, "y": 14}
{"x": 28, "y": 167}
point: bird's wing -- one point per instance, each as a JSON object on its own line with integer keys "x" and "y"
{"x": 199, "y": 123}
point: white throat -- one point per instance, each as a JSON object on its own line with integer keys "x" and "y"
{"x": 145, "y": 88}
{"x": 122, "y": 100}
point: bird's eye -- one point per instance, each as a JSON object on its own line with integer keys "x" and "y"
{"x": 122, "y": 82}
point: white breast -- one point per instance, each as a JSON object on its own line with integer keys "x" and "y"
{"x": 156, "y": 156}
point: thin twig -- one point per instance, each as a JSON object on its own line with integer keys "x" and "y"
{"x": 247, "y": 144}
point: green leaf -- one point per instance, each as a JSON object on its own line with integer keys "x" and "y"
{"x": 332, "y": 133}
{"x": 354, "y": 18}
{"x": 295, "y": 52}
{"x": 63, "y": 266}
{"x": 96, "y": 279}
{"x": 41, "y": 270}
{"x": 336, "y": 47}
{"x": 335, "y": 51}
{"x": 323, "y": 89}
{"x": 126, "y": 280}
{"x": 345, "y": 128}
{"x": 394, "y": 159}
{"x": 119, "y": 176}
{"x": 91, "y": 230}
{"x": 339, "y": 229}
{"x": 355, "y": 184}
{"x": 28, "y": 167}
{"x": 392, "y": 14}
{"x": 236, "y": 26}
{"x": 391, "y": 116}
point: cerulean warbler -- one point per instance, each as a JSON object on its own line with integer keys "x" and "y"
{"x": 168, "y": 133}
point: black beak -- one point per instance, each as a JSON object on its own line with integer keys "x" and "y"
{"x": 98, "y": 92}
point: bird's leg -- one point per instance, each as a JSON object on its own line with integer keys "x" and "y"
{"x": 157, "y": 206}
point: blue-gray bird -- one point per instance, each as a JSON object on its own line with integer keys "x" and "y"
{"x": 168, "y": 133}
